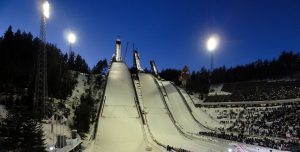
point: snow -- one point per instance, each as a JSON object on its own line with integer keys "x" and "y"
{"x": 165, "y": 131}
{"x": 120, "y": 127}
{"x": 72, "y": 101}
{"x": 58, "y": 129}
{"x": 79, "y": 89}
{"x": 216, "y": 89}
{"x": 199, "y": 114}
{"x": 160, "y": 124}
{"x": 180, "y": 111}
{"x": 3, "y": 112}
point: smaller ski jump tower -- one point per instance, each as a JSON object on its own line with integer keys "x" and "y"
{"x": 137, "y": 62}
{"x": 118, "y": 50}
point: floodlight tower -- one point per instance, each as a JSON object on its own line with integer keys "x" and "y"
{"x": 118, "y": 50}
{"x": 212, "y": 44}
{"x": 41, "y": 83}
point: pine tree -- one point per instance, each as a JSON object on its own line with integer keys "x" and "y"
{"x": 22, "y": 131}
{"x": 84, "y": 114}
{"x": 100, "y": 67}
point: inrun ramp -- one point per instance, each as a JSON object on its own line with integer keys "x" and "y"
{"x": 160, "y": 122}
{"x": 120, "y": 127}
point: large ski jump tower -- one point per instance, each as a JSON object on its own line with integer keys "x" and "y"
{"x": 118, "y": 50}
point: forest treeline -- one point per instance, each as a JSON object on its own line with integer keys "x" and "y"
{"x": 287, "y": 65}
{"x": 22, "y": 129}
{"x": 18, "y": 58}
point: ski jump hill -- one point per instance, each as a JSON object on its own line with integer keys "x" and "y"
{"x": 147, "y": 114}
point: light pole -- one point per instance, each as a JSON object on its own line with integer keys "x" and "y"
{"x": 41, "y": 83}
{"x": 71, "y": 39}
{"x": 211, "y": 45}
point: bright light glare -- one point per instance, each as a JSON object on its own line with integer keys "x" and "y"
{"x": 46, "y": 9}
{"x": 229, "y": 150}
{"x": 72, "y": 38}
{"x": 212, "y": 43}
{"x": 51, "y": 148}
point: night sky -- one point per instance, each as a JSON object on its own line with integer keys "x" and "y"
{"x": 172, "y": 32}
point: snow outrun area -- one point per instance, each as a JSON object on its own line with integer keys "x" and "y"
{"x": 120, "y": 126}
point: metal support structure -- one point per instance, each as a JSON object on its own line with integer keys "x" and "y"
{"x": 41, "y": 83}
{"x": 212, "y": 62}
{"x": 211, "y": 67}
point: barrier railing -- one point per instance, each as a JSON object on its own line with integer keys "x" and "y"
{"x": 100, "y": 108}
{"x": 75, "y": 148}
{"x": 137, "y": 102}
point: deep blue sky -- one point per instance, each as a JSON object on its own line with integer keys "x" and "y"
{"x": 172, "y": 32}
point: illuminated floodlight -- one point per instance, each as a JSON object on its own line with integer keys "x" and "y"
{"x": 72, "y": 38}
{"x": 229, "y": 150}
{"x": 51, "y": 148}
{"x": 46, "y": 9}
{"x": 212, "y": 43}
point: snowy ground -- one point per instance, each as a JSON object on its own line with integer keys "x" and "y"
{"x": 72, "y": 102}
{"x": 3, "y": 112}
{"x": 196, "y": 98}
{"x": 200, "y": 115}
{"x": 161, "y": 125}
{"x": 216, "y": 89}
{"x": 120, "y": 127}
{"x": 180, "y": 111}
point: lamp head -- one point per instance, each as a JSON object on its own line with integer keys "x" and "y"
{"x": 46, "y": 9}
{"x": 212, "y": 43}
{"x": 72, "y": 38}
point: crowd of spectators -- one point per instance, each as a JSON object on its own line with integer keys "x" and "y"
{"x": 280, "y": 121}
{"x": 258, "y": 91}
{"x": 262, "y": 124}
{"x": 172, "y": 149}
{"x": 264, "y": 142}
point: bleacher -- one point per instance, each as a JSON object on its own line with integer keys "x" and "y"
{"x": 271, "y": 125}
{"x": 258, "y": 91}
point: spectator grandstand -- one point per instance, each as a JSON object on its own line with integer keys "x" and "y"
{"x": 264, "y": 142}
{"x": 258, "y": 91}
{"x": 276, "y": 126}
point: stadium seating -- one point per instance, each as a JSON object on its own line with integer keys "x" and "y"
{"x": 258, "y": 91}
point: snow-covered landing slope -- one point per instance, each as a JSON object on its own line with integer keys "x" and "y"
{"x": 161, "y": 125}
{"x": 120, "y": 127}
{"x": 180, "y": 111}
{"x": 201, "y": 116}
